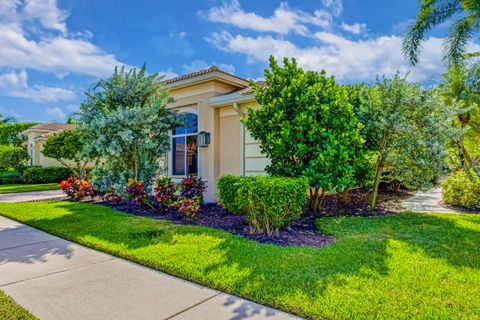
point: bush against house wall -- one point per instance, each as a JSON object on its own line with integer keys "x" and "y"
{"x": 37, "y": 174}
{"x": 268, "y": 203}
{"x": 307, "y": 128}
{"x": 125, "y": 127}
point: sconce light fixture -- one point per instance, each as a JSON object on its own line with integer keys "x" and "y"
{"x": 203, "y": 139}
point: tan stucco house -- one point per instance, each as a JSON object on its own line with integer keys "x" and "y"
{"x": 214, "y": 143}
{"x": 36, "y": 138}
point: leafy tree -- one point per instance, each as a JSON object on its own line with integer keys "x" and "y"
{"x": 461, "y": 92}
{"x": 66, "y": 147}
{"x": 13, "y": 157}
{"x": 307, "y": 127}
{"x": 407, "y": 128}
{"x": 5, "y": 120}
{"x": 12, "y": 133}
{"x": 435, "y": 12}
{"x": 125, "y": 126}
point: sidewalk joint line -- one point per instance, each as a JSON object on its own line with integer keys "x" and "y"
{"x": 193, "y": 306}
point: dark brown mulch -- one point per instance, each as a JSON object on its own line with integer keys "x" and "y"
{"x": 358, "y": 204}
{"x": 301, "y": 233}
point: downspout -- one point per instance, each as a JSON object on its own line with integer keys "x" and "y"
{"x": 242, "y": 139}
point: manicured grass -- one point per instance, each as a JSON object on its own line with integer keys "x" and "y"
{"x": 10, "y": 310}
{"x": 10, "y": 188}
{"x": 403, "y": 266}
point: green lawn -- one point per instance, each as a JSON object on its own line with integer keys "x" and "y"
{"x": 10, "y": 188}
{"x": 11, "y": 311}
{"x": 403, "y": 266}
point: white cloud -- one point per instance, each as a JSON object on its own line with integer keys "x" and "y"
{"x": 169, "y": 74}
{"x": 197, "y": 65}
{"x": 283, "y": 20}
{"x": 335, "y": 5}
{"x": 53, "y": 48}
{"x": 356, "y": 28}
{"x": 56, "y": 114}
{"x": 13, "y": 84}
{"x": 348, "y": 60}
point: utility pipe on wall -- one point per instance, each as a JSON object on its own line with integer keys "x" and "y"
{"x": 242, "y": 139}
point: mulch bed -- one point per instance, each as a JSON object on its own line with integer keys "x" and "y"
{"x": 300, "y": 233}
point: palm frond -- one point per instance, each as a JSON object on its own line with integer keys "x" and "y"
{"x": 458, "y": 37}
{"x": 432, "y": 13}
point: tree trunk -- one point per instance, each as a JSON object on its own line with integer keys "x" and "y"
{"x": 313, "y": 198}
{"x": 318, "y": 201}
{"x": 464, "y": 159}
{"x": 376, "y": 183}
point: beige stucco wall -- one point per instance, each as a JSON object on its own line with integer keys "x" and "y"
{"x": 229, "y": 142}
{"x": 195, "y": 99}
{"x": 33, "y": 141}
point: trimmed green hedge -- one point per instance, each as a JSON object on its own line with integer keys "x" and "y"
{"x": 268, "y": 203}
{"x": 11, "y": 177}
{"x": 458, "y": 190}
{"x": 36, "y": 174}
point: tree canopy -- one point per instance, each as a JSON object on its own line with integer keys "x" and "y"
{"x": 407, "y": 127}
{"x": 307, "y": 127}
{"x": 66, "y": 147}
{"x": 125, "y": 126}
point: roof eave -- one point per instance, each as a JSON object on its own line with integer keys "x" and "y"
{"x": 229, "y": 99}
{"x": 207, "y": 77}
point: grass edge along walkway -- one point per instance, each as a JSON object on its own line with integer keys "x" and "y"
{"x": 18, "y": 188}
{"x": 10, "y": 310}
{"x": 407, "y": 265}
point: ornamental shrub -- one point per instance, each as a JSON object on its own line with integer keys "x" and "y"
{"x": 77, "y": 188}
{"x": 165, "y": 193}
{"x": 189, "y": 207}
{"x": 192, "y": 187}
{"x": 36, "y": 174}
{"x": 135, "y": 192}
{"x": 458, "y": 190}
{"x": 11, "y": 177}
{"x": 227, "y": 192}
{"x": 268, "y": 203}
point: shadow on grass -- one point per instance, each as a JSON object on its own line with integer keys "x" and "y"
{"x": 265, "y": 272}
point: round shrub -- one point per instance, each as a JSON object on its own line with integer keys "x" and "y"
{"x": 268, "y": 203}
{"x": 36, "y": 174}
{"x": 11, "y": 177}
{"x": 458, "y": 190}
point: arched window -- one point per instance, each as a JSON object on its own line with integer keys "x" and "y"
{"x": 184, "y": 147}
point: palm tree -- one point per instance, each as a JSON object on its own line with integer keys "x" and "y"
{"x": 435, "y": 12}
{"x": 4, "y": 120}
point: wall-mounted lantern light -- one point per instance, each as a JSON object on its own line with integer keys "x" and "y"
{"x": 203, "y": 139}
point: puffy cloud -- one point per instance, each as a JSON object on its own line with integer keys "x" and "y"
{"x": 53, "y": 48}
{"x": 284, "y": 19}
{"x": 335, "y": 5}
{"x": 56, "y": 114}
{"x": 13, "y": 84}
{"x": 356, "y": 28}
{"x": 202, "y": 64}
{"x": 348, "y": 60}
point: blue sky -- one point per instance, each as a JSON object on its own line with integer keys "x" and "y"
{"x": 51, "y": 51}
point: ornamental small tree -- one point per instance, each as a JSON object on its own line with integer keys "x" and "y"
{"x": 307, "y": 127}
{"x": 407, "y": 128}
{"x": 13, "y": 157}
{"x": 66, "y": 147}
{"x": 125, "y": 126}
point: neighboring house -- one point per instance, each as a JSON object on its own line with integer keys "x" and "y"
{"x": 213, "y": 144}
{"x": 36, "y": 137}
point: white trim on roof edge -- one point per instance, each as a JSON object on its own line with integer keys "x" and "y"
{"x": 228, "y": 99}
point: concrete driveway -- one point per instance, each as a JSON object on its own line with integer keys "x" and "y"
{"x": 32, "y": 196}
{"x": 58, "y": 279}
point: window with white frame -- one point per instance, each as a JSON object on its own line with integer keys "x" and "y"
{"x": 184, "y": 147}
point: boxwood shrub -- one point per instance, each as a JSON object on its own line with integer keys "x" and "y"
{"x": 11, "y": 177}
{"x": 458, "y": 190}
{"x": 268, "y": 203}
{"x": 36, "y": 174}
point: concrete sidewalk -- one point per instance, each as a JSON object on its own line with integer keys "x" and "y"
{"x": 428, "y": 201}
{"x": 58, "y": 279}
{"x": 32, "y": 196}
